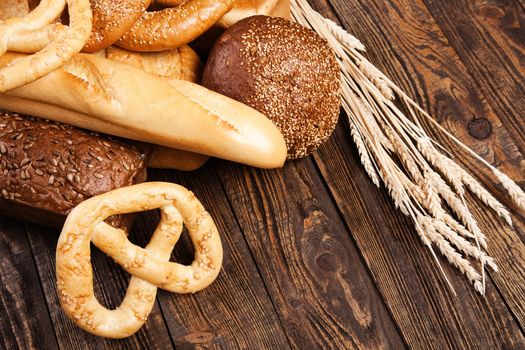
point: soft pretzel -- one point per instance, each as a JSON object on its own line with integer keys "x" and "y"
{"x": 28, "y": 41}
{"x": 60, "y": 48}
{"x": 111, "y": 20}
{"x": 150, "y": 267}
{"x": 31, "y": 41}
{"x": 173, "y": 27}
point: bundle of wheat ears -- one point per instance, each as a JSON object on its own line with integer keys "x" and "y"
{"x": 424, "y": 183}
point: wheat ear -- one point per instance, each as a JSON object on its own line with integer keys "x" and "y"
{"x": 422, "y": 180}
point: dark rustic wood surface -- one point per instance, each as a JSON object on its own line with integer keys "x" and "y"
{"x": 315, "y": 255}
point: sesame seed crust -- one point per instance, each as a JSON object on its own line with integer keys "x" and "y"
{"x": 284, "y": 70}
{"x": 173, "y": 27}
{"x": 111, "y": 20}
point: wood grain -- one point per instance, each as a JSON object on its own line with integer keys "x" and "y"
{"x": 421, "y": 61}
{"x": 315, "y": 256}
{"x": 235, "y": 311}
{"x": 322, "y": 292}
{"x": 425, "y": 310}
{"x": 20, "y": 293}
{"x": 490, "y": 43}
{"x": 110, "y": 286}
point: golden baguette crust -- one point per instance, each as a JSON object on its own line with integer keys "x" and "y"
{"x": 181, "y": 63}
{"x": 143, "y": 107}
{"x": 159, "y": 157}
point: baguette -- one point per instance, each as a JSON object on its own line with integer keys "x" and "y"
{"x": 158, "y": 157}
{"x": 143, "y": 107}
{"x": 177, "y": 64}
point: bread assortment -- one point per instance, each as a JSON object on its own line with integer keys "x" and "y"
{"x": 125, "y": 100}
{"x": 285, "y": 71}
{"x": 134, "y": 98}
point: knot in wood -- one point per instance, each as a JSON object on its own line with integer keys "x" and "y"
{"x": 479, "y": 128}
{"x": 199, "y": 337}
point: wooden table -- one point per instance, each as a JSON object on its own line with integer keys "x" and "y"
{"x": 316, "y": 256}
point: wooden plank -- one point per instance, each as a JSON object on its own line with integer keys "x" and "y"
{"x": 235, "y": 311}
{"x": 110, "y": 286}
{"x": 322, "y": 292}
{"x": 489, "y": 38}
{"x": 406, "y": 43}
{"x": 491, "y": 42}
{"x": 425, "y": 310}
{"x": 24, "y": 318}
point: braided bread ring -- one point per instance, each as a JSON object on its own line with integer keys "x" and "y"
{"x": 150, "y": 266}
{"x": 173, "y": 27}
{"x": 111, "y": 20}
{"x": 53, "y": 55}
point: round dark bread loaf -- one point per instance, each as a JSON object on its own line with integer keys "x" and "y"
{"x": 285, "y": 71}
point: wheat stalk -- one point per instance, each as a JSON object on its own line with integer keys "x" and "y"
{"x": 425, "y": 183}
{"x": 364, "y": 155}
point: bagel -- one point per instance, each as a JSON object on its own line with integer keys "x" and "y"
{"x": 111, "y": 20}
{"x": 172, "y": 27}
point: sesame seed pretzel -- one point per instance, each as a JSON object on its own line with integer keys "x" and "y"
{"x": 54, "y": 44}
{"x": 150, "y": 266}
{"x": 172, "y": 27}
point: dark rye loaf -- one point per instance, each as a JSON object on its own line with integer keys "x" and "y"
{"x": 47, "y": 168}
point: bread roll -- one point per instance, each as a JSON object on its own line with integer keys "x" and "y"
{"x": 48, "y": 168}
{"x": 284, "y": 70}
{"x": 139, "y": 106}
